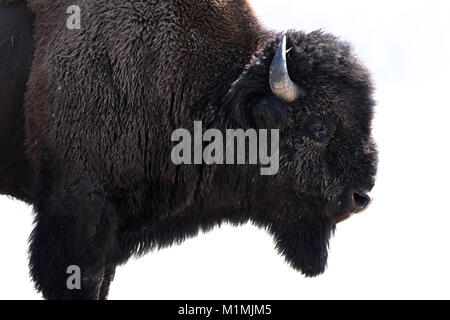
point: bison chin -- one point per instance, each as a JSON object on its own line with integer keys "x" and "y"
{"x": 304, "y": 243}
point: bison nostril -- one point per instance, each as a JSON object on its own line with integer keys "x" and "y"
{"x": 360, "y": 201}
{"x": 351, "y": 201}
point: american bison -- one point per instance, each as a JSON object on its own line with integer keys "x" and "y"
{"x": 90, "y": 145}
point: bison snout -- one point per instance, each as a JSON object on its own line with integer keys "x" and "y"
{"x": 360, "y": 201}
{"x": 351, "y": 201}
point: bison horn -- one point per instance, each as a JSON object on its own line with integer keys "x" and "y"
{"x": 280, "y": 82}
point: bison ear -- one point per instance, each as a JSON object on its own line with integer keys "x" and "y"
{"x": 253, "y": 105}
{"x": 269, "y": 113}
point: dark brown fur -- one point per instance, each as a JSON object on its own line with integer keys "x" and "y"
{"x": 16, "y": 51}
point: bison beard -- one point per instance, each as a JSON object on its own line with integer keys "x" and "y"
{"x": 102, "y": 102}
{"x": 299, "y": 225}
{"x": 304, "y": 244}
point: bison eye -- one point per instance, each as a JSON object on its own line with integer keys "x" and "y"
{"x": 318, "y": 128}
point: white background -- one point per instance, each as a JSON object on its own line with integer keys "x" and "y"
{"x": 399, "y": 248}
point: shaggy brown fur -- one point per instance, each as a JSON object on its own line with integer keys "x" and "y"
{"x": 16, "y": 51}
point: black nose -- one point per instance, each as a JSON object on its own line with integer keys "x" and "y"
{"x": 351, "y": 201}
{"x": 360, "y": 201}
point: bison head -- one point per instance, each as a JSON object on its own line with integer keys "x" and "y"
{"x": 312, "y": 88}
